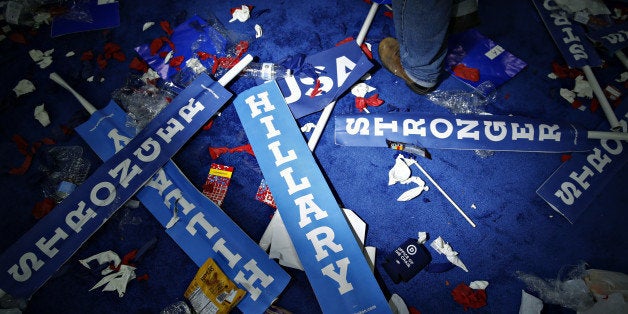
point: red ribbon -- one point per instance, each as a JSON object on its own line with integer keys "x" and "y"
{"x": 361, "y": 103}
{"x": 23, "y": 148}
{"x": 215, "y": 152}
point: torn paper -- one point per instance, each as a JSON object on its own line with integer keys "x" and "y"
{"x": 444, "y": 248}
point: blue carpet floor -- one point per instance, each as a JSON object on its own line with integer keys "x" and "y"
{"x": 516, "y": 230}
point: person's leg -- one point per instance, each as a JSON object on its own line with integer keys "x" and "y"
{"x": 421, "y": 30}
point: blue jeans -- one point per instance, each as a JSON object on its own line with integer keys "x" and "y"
{"x": 421, "y": 29}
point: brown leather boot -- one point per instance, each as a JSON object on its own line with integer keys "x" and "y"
{"x": 389, "y": 55}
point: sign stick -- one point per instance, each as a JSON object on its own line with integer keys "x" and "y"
{"x": 444, "y": 194}
{"x": 322, "y": 121}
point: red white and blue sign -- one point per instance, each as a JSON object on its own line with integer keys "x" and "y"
{"x": 338, "y": 69}
{"x": 470, "y": 132}
{"x": 331, "y": 256}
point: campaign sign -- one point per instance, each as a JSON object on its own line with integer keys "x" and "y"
{"x": 485, "y": 132}
{"x": 331, "y": 256}
{"x": 568, "y": 36}
{"x": 31, "y": 260}
{"x": 578, "y": 181}
{"x": 338, "y": 69}
{"x": 613, "y": 38}
{"x": 201, "y": 228}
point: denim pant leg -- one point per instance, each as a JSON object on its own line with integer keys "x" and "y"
{"x": 421, "y": 29}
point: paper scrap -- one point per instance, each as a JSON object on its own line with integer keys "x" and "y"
{"x": 530, "y": 304}
{"x": 24, "y": 87}
{"x": 117, "y": 281}
{"x": 478, "y": 284}
{"x": 361, "y": 89}
{"x": 147, "y": 25}
{"x": 241, "y": 14}
{"x": 444, "y": 248}
{"x": 258, "y": 31}
{"x": 41, "y": 115}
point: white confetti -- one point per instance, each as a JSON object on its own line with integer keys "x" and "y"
{"x": 24, "y": 87}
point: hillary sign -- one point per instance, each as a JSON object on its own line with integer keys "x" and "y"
{"x": 332, "y": 259}
{"x": 30, "y": 261}
{"x": 200, "y": 228}
{"x": 486, "y": 132}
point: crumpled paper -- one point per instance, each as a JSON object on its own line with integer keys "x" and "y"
{"x": 444, "y": 248}
{"x": 113, "y": 280}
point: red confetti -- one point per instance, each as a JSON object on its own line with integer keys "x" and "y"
{"x": 163, "y": 54}
{"x": 102, "y": 62}
{"x": 23, "y": 148}
{"x": 361, "y": 103}
{"x": 119, "y": 56}
{"x": 168, "y": 41}
{"x": 176, "y": 61}
{"x": 215, "y": 152}
{"x": 165, "y": 25}
{"x": 142, "y": 277}
{"x": 413, "y": 310}
{"x": 469, "y": 298}
{"x": 595, "y": 105}
{"x": 43, "y": 207}
{"x": 563, "y": 71}
{"x": 388, "y": 14}
{"x": 203, "y": 55}
{"x": 364, "y": 47}
{"x": 316, "y": 89}
{"x": 467, "y": 73}
{"x": 155, "y": 45}
{"x": 18, "y": 38}
{"x": 111, "y": 49}
{"x": 241, "y": 48}
{"x": 565, "y": 157}
{"x": 576, "y": 104}
{"x": 208, "y": 125}
{"x": 87, "y": 55}
{"x": 227, "y": 62}
{"x": 139, "y": 65}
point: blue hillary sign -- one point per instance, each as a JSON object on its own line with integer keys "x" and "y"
{"x": 201, "y": 229}
{"x": 29, "y": 262}
{"x": 338, "y": 69}
{"x": 485, "y": 132}
{"x": 327, "y": 248}
{"x": 571, "y": 189}
{"x": 569, "y": 37}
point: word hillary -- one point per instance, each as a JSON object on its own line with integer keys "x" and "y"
{"x": 104, "y": 193}
{"x": 322, "y": 237}
{"x": 462, "y": 128}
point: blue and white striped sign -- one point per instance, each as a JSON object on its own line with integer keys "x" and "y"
{"x": 331, "y": 256}
{"x": 484, "y": 132}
